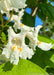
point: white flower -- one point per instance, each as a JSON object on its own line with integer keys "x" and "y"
{"x": 18, "y": 3}
{"x": 16, "y": 47}
{"x": 17, "y": 19}
{"x": 33, "y": 36}
{"x": 7, "y": 5}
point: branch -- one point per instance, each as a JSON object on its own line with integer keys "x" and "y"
{"x": 35, "y": 11}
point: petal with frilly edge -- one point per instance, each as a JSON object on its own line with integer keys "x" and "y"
{"x": 26, "y": 52}
{"x": 44, "y": 46}
{"x": 7, "y": 51}
{"x": 14, "y": 57}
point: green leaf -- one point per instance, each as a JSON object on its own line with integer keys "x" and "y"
{"x": 28, "y": 20}
{"x": 52, "y": 58}
{"x": 46, "y": 10}
{"x": 43, "y": 58}
{"x": 32, "y": 3}
{"x": 3, "y": 36}
{"x": 25, "y": 67}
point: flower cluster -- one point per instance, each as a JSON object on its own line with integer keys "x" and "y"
{"x": 16, "y": 47}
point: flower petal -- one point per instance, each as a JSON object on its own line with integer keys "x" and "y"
{"x": 6, "y": 51}
{"x": 14, "y": 57}
{"x": 45, "y": 46}
{"x": 37, "y": 29}
{"x": 26, "y": 52}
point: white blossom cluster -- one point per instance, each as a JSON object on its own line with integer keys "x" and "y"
{"x": 16, "y": 47}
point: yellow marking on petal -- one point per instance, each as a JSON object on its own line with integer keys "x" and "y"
{"x": 22, "y": 24}
{"x": 39, "y": 42}
{"x": 13, "y": 48}
{"x": 19, "y": 48}
{"x": 15, "y": 45}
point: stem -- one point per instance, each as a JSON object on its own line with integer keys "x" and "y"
{"x": 2, "y": 24}
{"x": 2, "y": 20}
{"x": 34, "y": 13}
{"x": 8, "y": 20}
{"x": 10, "y": 17}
